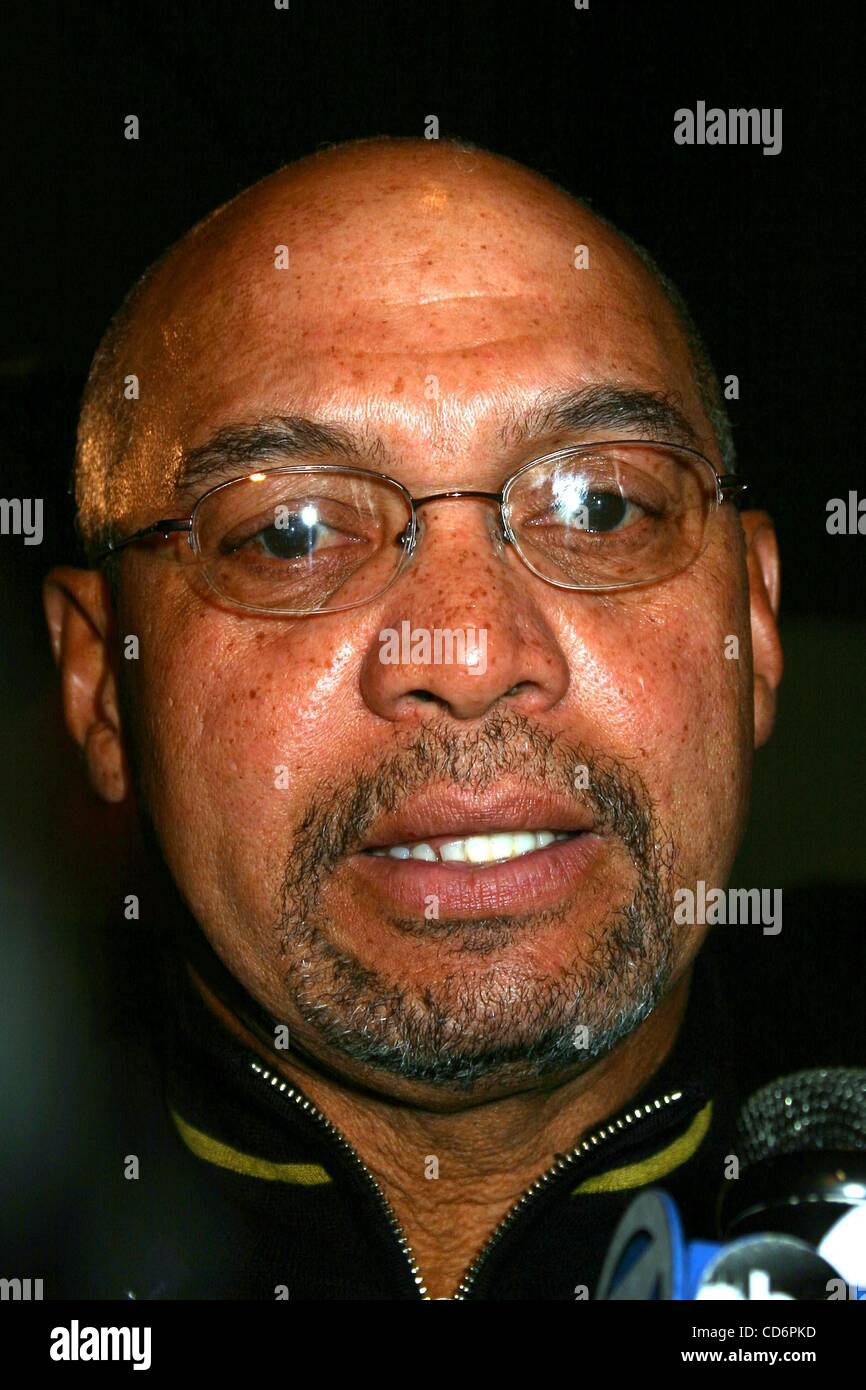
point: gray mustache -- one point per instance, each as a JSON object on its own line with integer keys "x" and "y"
{"x": 336, "y": 822}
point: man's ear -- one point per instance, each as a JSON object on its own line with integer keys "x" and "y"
{"x": 762, "y": 560}
{"x": 80, "y": 618}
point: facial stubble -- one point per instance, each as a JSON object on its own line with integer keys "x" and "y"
{"x": 471, "y": 1025}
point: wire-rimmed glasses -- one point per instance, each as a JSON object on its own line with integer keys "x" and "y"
{"x": 315, "y": 537}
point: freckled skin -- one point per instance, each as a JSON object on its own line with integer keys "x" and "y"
{"x": 403, "y": 267}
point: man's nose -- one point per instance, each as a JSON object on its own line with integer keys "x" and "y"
{"x": 463, "y": 628}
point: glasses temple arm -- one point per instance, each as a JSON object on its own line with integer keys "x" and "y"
{"x": 163, "y": 528}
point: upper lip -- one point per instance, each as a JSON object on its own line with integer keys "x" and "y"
{"x": 456, "y": 812}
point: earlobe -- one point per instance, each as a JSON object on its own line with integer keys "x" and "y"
{"x": 762, "y": 560}
{"x": 80, "y": 620}
{"x": 106, "y": 765}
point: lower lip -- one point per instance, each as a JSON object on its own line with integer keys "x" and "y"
{"x": 533, "y": 881}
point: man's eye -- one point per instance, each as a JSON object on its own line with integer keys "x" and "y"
{"x": 600, "y": 513}
{"x": 606, "y": 511}
{"x": 294, "y": 539}
{"x": 291, "y": 535}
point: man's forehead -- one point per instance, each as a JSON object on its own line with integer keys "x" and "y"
{"x": 289, "y": 282}
{"x": 410, "y": 296}
{"x": 381, "y": 236}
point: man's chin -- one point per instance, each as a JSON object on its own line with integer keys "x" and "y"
{"x": 468, "y": 1032}
{"x": 480, "y": 1079}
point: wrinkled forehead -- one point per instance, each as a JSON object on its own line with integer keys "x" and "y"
{"x": 343, "y": 297}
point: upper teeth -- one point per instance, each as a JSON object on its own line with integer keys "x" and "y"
{"x": 476, "y": 849}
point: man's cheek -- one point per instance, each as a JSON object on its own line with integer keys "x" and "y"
{"x": 244, "y": 770}
{"x": 225, "y": 812}
{"x": 679, "y": 713}
{"x": 696, "y": 773}
{"x": 207, "y": 762}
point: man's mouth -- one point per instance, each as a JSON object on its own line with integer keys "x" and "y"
{"x": 496, "y": 847}
{"x": 513, "y": 849}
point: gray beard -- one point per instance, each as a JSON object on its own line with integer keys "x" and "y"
{"x": 468, "y": 1028}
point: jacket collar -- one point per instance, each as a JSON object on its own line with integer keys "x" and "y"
{"x": 235, "y": 1111}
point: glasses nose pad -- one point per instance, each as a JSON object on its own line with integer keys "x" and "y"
{"x": 498, "y": 531}
{"x": 407, "y": 539}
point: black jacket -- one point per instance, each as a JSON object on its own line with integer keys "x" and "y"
{"x": 244, "y": 1191}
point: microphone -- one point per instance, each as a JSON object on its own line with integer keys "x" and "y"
{"x": 801, "y": 1142}
{"x": 793, "y": 1223}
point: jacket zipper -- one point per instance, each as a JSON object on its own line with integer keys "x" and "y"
{"x": 307, "y": 1105}
{"x": 590, "y": 1144}
{"x": 587, "y": 1145}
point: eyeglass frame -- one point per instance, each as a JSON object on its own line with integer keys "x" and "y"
{"x": 729, "y": 486}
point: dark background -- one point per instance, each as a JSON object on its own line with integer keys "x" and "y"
{"x": 765, "y": 249}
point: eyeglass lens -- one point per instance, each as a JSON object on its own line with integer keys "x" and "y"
{"x": 300, "y": 542}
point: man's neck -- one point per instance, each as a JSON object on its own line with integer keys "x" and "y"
{"x": 451, "y": 1177}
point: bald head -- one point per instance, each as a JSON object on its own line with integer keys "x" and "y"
{"x": 326, "y": 258}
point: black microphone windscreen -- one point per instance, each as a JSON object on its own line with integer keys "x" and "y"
{"x": 808, "y": 1111}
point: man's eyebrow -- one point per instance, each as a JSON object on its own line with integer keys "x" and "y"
{"x": 238, "y": 448}
{"x": 602, "y": 407}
